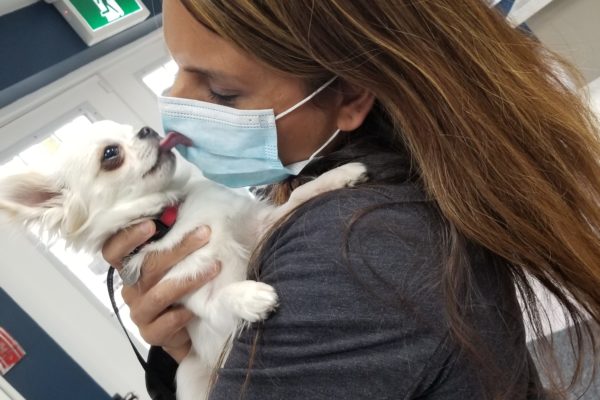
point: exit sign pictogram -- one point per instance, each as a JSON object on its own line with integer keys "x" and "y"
{"x": 96, "y": 20}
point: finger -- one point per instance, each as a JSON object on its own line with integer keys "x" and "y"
{"x": 166, "y": 293}
{"x": 157, "y": 264}
{"x": 169, "y": 328}
{"x": 130, "y": 294}
{"x": 179, "y": 353}
{"x": 178, "y": 339}
{"x": 118, "y": 246}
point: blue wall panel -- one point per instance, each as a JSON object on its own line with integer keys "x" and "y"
{"x": 33, "y": 39}
{"x": 46, "y": 371}
{"x": 37, "y": 47}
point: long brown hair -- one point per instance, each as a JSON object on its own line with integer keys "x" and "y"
{"x": 498, "y": 133}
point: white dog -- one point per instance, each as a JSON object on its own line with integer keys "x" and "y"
{"x": 114, "y": 177}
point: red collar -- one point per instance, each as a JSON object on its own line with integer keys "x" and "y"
{"x": 169, "y": 215}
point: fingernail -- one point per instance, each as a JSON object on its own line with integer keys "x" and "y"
{"x": 146, "y": 227}
{"x": 202, "y": 232}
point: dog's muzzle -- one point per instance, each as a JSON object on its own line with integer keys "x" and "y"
{"x": 147, "y": 133}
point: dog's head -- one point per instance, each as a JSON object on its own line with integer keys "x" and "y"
{"x": 99, "y": 183}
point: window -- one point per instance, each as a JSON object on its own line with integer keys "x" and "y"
{"x": 161, "y": 78}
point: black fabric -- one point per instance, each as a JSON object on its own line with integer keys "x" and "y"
{"x": 160, "y": 375}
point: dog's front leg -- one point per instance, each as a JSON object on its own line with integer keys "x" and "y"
{"x": 347, "y": 175}
{"x": 193, "y": 378}
{"x": 250, "y": 301}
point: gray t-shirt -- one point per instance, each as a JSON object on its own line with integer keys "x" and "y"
{"x": 362, "y": 313}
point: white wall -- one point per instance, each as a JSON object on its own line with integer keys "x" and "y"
{"x": 46, "y": 290}
{"x": 8, "y": 6}
{"x": 572, "y": 28}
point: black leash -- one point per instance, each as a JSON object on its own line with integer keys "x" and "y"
{"x": 163, "y": 225}
{"x": 111, "y": 294}
{"x": 157, "y": 388}
{"x": 160, "y": 390}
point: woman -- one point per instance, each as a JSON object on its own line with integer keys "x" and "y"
{"x": 484, "y": 178}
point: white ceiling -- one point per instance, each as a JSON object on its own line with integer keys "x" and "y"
{"x": 8, "y": 6}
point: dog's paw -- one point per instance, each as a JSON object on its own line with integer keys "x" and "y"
{"x": 352, "y": 174}
{"x": 347, "y": 175}
{"x": 252, "y": 301}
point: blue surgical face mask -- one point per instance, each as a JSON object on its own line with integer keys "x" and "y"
{"x": 233, "y": 147}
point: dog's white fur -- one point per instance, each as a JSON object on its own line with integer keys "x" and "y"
{"x": 85, "y": 204}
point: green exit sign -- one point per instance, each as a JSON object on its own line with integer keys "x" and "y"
{"x": 96, "y": 20}
{"x": 99, "y": 13}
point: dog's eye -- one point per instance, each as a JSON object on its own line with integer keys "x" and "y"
{"x": 110, "y": 152}
{"x": 111, "y": 157}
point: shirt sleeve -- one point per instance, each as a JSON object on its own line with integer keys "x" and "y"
{"x": 361, "y": 312}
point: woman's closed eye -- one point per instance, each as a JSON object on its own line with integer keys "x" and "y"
{"x": 221, "y": 98}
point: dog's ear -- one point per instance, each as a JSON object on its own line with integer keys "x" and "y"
{"x": 30, "y": 197}
{"x": 76, "y": 217}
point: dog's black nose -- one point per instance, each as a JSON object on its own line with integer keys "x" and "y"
{"x": 147, "y": 133}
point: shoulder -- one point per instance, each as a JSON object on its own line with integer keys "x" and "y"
{"x": 375, "y": 248}
{"x": 387, "y": 210}
{"x": 404, "y": 196}
{"x": 395, "y": 227}
{"x": 359, "y": 249}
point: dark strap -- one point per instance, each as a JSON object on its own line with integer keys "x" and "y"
{"x": 160, "y": 389}
{"x": 111, "y": 294}
{"x": 162, "y": 227}
{"x": 157, "y": 388}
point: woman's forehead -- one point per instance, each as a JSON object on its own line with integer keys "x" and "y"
{"x": 195, "y": 47}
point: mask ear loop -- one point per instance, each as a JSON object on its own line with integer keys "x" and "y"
{"x": 310, "y": 97}
{"x": 324, "y": 144}
{"x": 297, "y": 167}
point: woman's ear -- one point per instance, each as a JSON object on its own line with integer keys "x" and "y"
{"x": 355, "y": 105}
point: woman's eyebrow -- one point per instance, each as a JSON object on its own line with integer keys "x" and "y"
{"x": 210, "y": 74}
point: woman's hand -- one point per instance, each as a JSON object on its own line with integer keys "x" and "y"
{"x": 152, "y": 304}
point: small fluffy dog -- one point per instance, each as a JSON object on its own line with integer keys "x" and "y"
{"x": 114, "y": 177}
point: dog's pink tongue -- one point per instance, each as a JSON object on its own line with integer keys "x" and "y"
{"x": 173, "y": 139}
